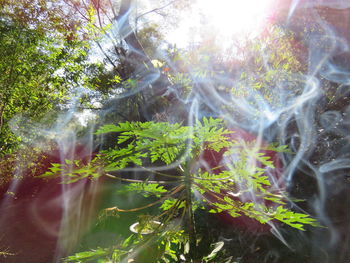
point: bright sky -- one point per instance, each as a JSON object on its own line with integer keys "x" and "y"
{"x": 226, "y": 18}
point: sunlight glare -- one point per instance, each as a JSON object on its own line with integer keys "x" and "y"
{"x": 227, "y": 19}
{"x": 231, "y": 17}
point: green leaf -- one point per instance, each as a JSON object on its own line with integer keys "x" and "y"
{"x": 107, "y": 128}
{"x": 69, "y": 162}
{"x": 169, "y": 203}
{"x": 145, "y": 189}
{"x": 86, "y": 255}
{"x": 294, "y": 219}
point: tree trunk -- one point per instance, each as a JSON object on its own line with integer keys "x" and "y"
{"x": 136, "y": 54}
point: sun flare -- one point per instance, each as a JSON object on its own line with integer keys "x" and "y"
{"x": 232, "y": 17}
{"x": 226, "y": 19}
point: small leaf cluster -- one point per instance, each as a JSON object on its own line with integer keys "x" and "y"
{"x": 146, "y": 189}
{"x": 162, "y": 141}
{"x": 72, "y": 171}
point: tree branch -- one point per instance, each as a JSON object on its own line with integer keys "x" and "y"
{"x": 155, "y": 10}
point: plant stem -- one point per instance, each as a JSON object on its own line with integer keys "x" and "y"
{"x": 175, "y": 190}
{"x": 140, "y": 181}
{"x": 190, "y": 215}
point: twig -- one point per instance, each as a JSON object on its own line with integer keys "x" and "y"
{"x": 155, "y": 10}
{"x": 140, "y": 181}
{"x": 172, "y": 209}
{"x": 162, "y": 174}
{"x": 177, "y": 189}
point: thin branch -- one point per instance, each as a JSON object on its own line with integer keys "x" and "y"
{"x": 97, "y": 7}
{"x": 211, "y": 179}
{"x": 85, "y": 5}
{"x": 219, "y": 197}
{"x": 105, "y": 54}
{"x": 89, "y": 108}
{"x": 155, "y": 10}
{"x": 113, "y": 11}
{"x": 177, "y": 189}
{"x": 141, "y": 181}
{"x": 78, "y": 10}
{"x": 172, "y": 210}
{"x": 162, "y": 174}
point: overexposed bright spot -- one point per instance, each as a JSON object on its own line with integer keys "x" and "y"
{"x": 225, "y": 18}
{"x": 85, "y": 117}
{"x": 235, "y": 16}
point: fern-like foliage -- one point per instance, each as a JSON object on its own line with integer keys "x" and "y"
{"x": 241, "y": 188}
{"x": 162, "y": 141}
